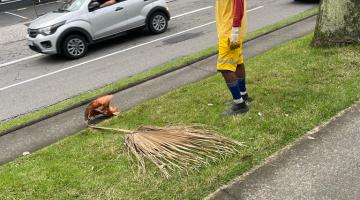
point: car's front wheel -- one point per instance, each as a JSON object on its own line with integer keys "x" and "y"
{"x": 158, "y": 23}
{"x": 74, "y": 46}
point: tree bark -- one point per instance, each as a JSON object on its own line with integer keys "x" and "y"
{"x": 338, "y": 23}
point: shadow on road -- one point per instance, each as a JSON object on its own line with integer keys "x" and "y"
{"x": 306, "y": 1}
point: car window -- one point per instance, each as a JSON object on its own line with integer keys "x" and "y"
{"x": 72, "y": 5}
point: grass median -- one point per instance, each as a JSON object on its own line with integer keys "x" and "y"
{"x": 87, "y": 96}
{"x": 295, "y": 88}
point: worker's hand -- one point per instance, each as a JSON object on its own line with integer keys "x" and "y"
{"x": 234, "y": 38}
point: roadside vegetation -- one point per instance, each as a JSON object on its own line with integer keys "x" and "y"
{"x": 295, "y": 88}
{"x": 87, "y": 96}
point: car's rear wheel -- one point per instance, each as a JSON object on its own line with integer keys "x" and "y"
{"x": 158, "y": 23}
{"x": 74, "y": 46}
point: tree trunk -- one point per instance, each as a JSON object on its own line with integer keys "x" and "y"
{"x": 338, "y": 23}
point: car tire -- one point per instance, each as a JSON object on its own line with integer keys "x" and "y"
{"x": 74, "y": 46}
{"x": 158, "y": 23}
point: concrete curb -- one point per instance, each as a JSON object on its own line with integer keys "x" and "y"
{"x": 222, "y": 190}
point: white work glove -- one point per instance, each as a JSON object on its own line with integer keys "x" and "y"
{"x": 234, "y": 38}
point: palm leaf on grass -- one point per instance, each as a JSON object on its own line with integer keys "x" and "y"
{"x": 176, "y": 148}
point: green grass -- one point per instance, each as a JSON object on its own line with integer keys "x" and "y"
{"x": 4, "y": 126}
{"x": 295, "y": 88}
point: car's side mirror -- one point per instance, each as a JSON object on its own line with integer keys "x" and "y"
{"x": 94, "y": 5}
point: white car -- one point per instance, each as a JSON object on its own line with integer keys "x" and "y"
{"x": 78, "y": 23}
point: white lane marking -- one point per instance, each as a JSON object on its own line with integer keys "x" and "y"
{"x": 16, "y": 15}
{"x": 208, "y": 7}
{"x": 37, "y": 55}
{"x": 9, "y": 2}
{"x": 191, "y": 12}
{"x": 256, "y": 8}
{"x": 20, "y": 9}
{"x": 21, "y": 59}
{"x": 52, "y": 2}
{"x": 105, "y": 56}
{"x": 111, "y": 54}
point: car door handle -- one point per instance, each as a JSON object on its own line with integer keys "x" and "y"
{"x": 119, "y": 8}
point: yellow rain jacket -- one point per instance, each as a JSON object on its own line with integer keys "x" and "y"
{"x": 229, "y": 59}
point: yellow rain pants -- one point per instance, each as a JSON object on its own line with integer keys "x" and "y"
{"x": 228, "y": 59}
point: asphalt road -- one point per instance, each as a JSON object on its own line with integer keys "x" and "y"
{"x": 29, "y": 81}
{"x": 18, "y": 11}
{"x": 10, "y": 5}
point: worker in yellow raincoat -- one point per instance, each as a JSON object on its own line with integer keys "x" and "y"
{"x": 231, "y": 28}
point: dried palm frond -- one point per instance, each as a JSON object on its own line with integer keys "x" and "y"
{"x": 176, "y": 148}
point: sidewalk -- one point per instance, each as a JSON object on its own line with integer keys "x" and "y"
{"x": 323, "y": 165}
{"x": 46, "y": 132}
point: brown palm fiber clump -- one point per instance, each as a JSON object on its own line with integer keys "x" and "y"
{"x": 176, "y": 148}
